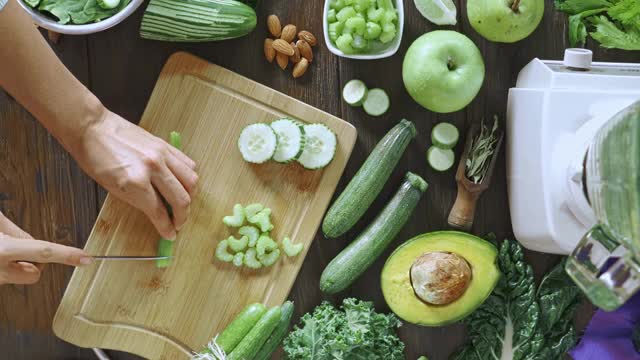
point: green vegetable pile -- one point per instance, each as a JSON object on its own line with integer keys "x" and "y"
{"x": 613, "y": 23}
{"x": 355, "y": 331}
{"x": 77, "y": 12}
{"x": 519, "y": 321}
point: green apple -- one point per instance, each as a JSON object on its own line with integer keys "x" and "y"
{"x": 505, "y": 20}
{"x": 443, "y": 71}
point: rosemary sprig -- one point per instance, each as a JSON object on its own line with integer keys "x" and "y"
{"x": 481, "y": 152}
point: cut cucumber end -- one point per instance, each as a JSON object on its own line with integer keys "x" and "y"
{"x": 445, "y": 135}
{"x": 440, "y": 159}
{"x": 354, "y": 92}
{"x": 376, "y": 103}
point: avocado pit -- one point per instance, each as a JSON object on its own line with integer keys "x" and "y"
{"x": 440, "y": 278}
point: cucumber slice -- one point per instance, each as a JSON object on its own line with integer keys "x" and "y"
{"x": 290, "y": 140}
{"x": 445, "y": 135}
{"x": 440, "y": 159}
{"x": 257, "y": 143}
{"x": 108, "y": 4}
{"x": 354, "y": 92}
{"x": 320, "y": 148}
{"x": 376, "y": 102}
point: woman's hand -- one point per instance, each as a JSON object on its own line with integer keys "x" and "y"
{"x": 19, "y": 252}
{"x": 138, "y": 168}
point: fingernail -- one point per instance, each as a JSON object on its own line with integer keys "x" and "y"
{"x": 86, "y": 260}
{"x": 172, "y": 236}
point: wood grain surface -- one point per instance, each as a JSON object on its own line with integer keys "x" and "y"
{"x": 169, "y": 313}
{"x": 122, "y": 69}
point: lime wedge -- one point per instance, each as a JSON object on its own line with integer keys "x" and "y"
{"x": 439, "y": 12}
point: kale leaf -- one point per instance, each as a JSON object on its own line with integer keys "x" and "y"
{"x": 353, "y": 332}
{"x": 519, "y": 322}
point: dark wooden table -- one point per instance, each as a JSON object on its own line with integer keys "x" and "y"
{"x": 43, "y": 190}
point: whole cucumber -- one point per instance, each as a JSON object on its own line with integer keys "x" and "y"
{"x": 231, "y": 336}
{"x": 365, "y": 186}
{"x": 278, "y": 334}
{"x": 345, "y": 268}
{"x": 253, "y": 341}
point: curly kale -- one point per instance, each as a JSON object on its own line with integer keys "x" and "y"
{"x": 353, "y": 332}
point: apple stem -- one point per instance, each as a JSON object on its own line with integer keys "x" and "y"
{"x": 515, "y": 6}
{"x": 450, "y": 64}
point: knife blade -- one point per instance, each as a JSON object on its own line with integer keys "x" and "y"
{"x": 134, "y": 258}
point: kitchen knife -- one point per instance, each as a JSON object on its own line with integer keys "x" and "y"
{"x": 132, "y": 257}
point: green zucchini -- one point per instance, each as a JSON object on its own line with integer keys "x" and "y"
{"x": 255, "y": 339}
{"x": 196, "y": 20}
{"x": 368, "y": 181}
{"x": 281, "y": 330}
{"x": 233, "y": 334}
{"x": 345, "y": 268}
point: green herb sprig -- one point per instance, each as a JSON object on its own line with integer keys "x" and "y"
{"x": 482, "y": 149}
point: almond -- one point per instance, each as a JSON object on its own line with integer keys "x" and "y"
{"x": 300, "y": 68}
{"x": 282, "y": 60}
{"x": 273, "y": 24}
{"x": 269, "y": 52}
{"x": 308, "y": 37}
{"x": 305, "y": 50}
{"x": 283, "y": 47}
{"x": 288, "y": 33}
{"x": 296, "y": 55}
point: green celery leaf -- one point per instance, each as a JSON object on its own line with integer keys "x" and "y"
{"x": 610, "y": 36}
{"x": 627, "y": 12}
{"x": 574, "y": 7}
{"x": 577, "y": 31}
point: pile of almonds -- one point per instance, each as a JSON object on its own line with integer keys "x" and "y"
{"x": 283, "y": 49}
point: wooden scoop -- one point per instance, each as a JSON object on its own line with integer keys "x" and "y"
{"x": 464, "y": 209}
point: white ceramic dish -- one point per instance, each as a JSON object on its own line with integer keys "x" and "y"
{"x": 389, "y": 50}
{"x": 48, "y": 23}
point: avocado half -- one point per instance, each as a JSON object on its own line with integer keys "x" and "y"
{"x": 396, "y": 280}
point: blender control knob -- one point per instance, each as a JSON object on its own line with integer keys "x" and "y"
{"x": 578, "y": 59}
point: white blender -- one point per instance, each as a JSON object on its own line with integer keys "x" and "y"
{"x": 573, "y": 169}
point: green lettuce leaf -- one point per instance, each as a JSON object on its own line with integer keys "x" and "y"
{"x": 519, "y": 322}
{"x": 610, "y": 36}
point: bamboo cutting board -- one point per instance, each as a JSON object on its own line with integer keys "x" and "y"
{"x": 168, "y": 313}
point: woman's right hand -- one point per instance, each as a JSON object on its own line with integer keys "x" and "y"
{"x": 22, "y": 257}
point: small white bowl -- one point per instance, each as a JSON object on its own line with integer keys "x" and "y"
{"x": 391, "y": 48}
{"x": 48, "y": 23}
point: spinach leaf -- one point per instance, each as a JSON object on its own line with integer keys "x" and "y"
{"x": 76, "y": 11}
{"x": 519, "y": 322}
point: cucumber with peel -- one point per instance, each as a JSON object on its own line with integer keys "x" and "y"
{"x": 320, "y": 147}
{"x": 376, "y": 103}
{"x": 445, "y": 135}
{"x": 291, "y": 140}
{"x": 440, "y": 159}
{"x": 354, "y": 92}
{"x": 257, "y": 143}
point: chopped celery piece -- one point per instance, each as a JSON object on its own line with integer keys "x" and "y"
{"x": 265, "y": 244}
{"x": 250, "y": 259}
{"x": 361, "y": 5}
{"x": 337, "y": 4}
{"x": 348, "y": 2}
{"x": 165, "y": 248}
{"x": 238, "y": 259}
{"x": 344, "y": 43}
{"x": 238, "y": 245}
{"x": 389, "y": 28}
{"x": 386, "y": 4}
{"x": 374, "y": 14}
{"x": 237, "y": 219}
{"x": 359, "y": 43}
{"x": 356, "y": 23}
{"x": 290, "y": 248}
{"x": 389, "y": 16}
{"x": 269, "y": 259}
{"x": 385, "y": 37}
{"x": 253, "y": 209}
{"x": 331, "y": 15}
{"x": 335, "y": 29}
{"x": 345, "y": 13}
{"x": 373, "y": 31}
{"x": 262, "y": 220}
{"x": 360, "y": 32}
{"x": 175, "y": 139}
{"x": 221, "y": 252}
{"x": 346, "y": 30}
{"x": 250, "y": 232}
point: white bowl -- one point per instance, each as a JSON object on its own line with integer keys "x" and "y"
{"x": 48, "y": 23}
{"x": 387, "y": 51}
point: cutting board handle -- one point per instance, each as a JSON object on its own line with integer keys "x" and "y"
{"x": 464, "y": 209}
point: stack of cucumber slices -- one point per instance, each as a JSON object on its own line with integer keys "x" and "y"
{"x": 444, "y": 138}
{"x": 286, "y": 140}
{"x": 375, "y": 102}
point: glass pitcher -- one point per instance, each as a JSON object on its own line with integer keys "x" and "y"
{"x": 606, "y": 262}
